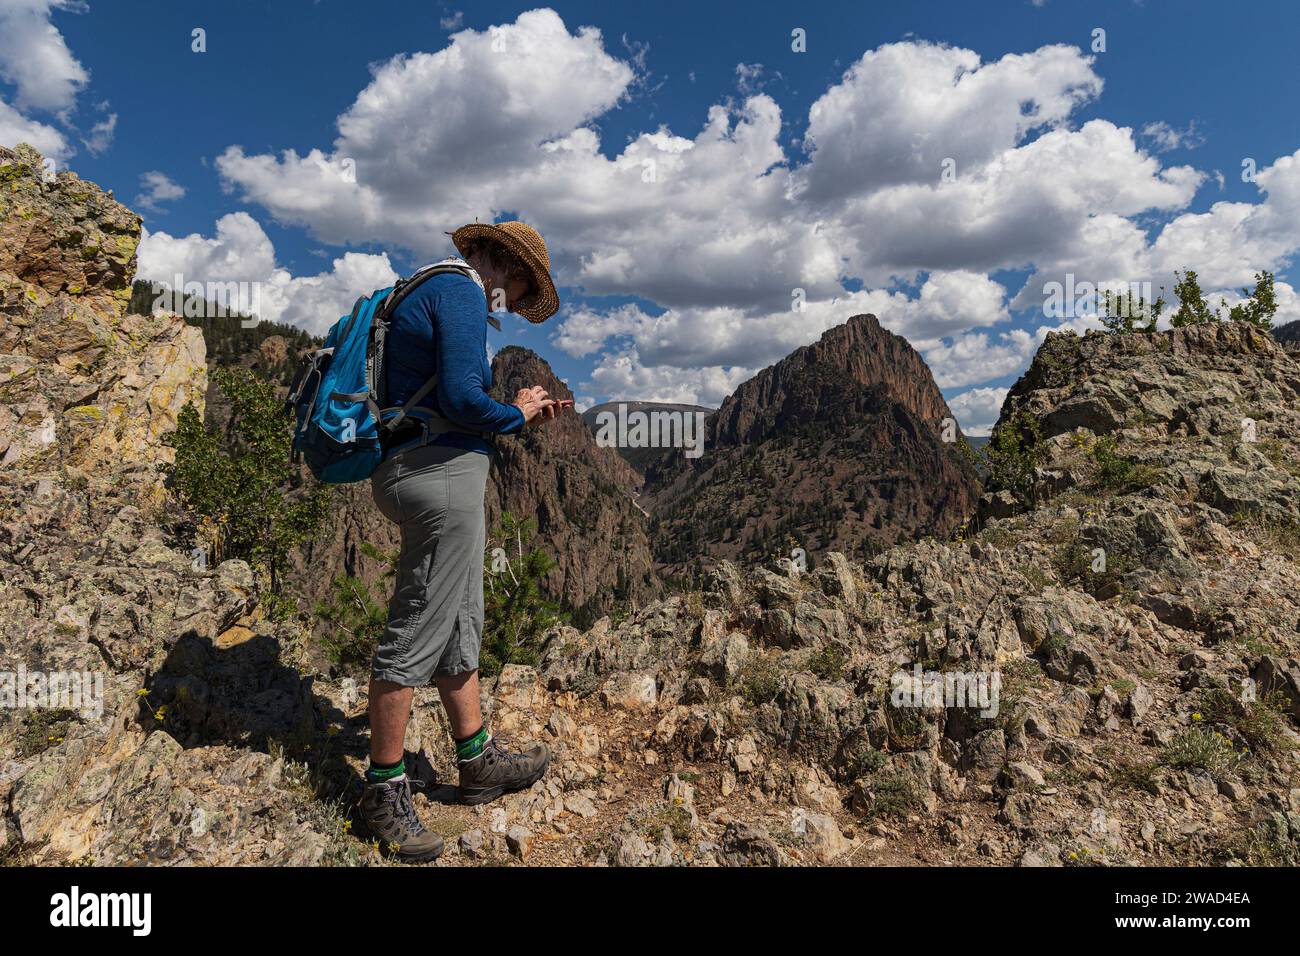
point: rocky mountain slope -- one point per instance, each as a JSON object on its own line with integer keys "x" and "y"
{"x": 839, "y": 446}
{"x": 581, "y": 495}
{"x": 1141, "y": 618}
{"x": 1145, "y": 708}
{"x": 1288, "y": 335}
{"x": 89, "y": 588}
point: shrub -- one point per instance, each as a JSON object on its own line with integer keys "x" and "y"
{"x": 677, "y": 819}
{"x": 865, "y": 760}
{"x": 760, "y": 678}
{"x": 1260, "y": 723}
{"x": 1192, "y": 309}
{"x": 1121, "y": 312}
{"x": 1074, "y": 563}
{"x": 1265, "y": 844}
{"x": 45, "y": 728}
{"x": 1036, "y": 577}
{"x": 1200, "y": 747}
{"x": 1118, "y": 473}
{"x": 1013, "y": 453}
{"x": 1136, "y": 776}
{"x": 1276, "y": 532}
{"x": 908, "y": 727}
{"x": 517, "y": 613}
{"x": 1260, "y": 305}
{"x": 893, "y": 795}
{"x": 828, "y": 661}
{"x": 357, "y": 614}
{"x": 241, "y": 486}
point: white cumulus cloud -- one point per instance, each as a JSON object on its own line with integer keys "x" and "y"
{"x": 977, "y": 410}
{"x": 156, "y": 188}
{"x": 238, "y": 266}
{"x": 35, "y": 58}
{"x": 717, "y": 229}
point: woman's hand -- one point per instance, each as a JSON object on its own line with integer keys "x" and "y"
{"x": 536, "y": 405}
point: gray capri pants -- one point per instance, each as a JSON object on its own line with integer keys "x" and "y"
{"x": 435, "y": 619}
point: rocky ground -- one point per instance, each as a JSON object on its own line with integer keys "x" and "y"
{"x": 1138, "y": 601}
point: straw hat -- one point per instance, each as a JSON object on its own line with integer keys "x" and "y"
{"x": 525, "y": 242}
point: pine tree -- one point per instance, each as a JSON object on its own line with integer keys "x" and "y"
{"x": 1260, "y": 305}
{"x": 517, "y": 614}
{"x": 240, "y": 486}
{"x": 1014, "y": 453}
{"x": 1192, "y": 309}
{"x": 357, "y": 613}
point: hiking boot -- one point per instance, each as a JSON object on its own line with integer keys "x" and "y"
{"x": 386, "y": 810}
{"x": 496, "y": 771}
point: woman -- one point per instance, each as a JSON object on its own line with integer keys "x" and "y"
{"x": 432, "y": 483}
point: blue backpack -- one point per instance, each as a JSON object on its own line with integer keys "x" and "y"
{"x": 337, "y": 397}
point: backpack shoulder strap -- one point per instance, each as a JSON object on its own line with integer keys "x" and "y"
{"x": 412, "y": 282}
{"x": 380, "y": 327}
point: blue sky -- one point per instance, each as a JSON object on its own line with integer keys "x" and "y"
{"x": 667, "y": 294}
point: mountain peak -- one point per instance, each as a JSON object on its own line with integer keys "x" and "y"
{"x": 837, "y": 446}
{"x": 860, "y": 351}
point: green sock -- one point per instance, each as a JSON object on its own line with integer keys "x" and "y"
{"x": 471, "y": 746}
{"x": 379, "y": 772}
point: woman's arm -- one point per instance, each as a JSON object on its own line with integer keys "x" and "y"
{"x": 460, "y": 327}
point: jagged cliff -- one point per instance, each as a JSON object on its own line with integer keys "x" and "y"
{"x": 581, "y": 495}
{"x": 89, "y": 587}
{"x": 839, "y": 446}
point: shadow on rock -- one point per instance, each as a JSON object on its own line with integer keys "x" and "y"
{"x": 243, "y": 695}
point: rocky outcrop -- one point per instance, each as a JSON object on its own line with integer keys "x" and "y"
{"x": 106, "y": 632}
{"x": 839, "y": 446}
{"x": 86, "y": 392}
{"x": 63, "y": 236}
{"x": 581, "y": 495}
{"x": 1209, "y": 412}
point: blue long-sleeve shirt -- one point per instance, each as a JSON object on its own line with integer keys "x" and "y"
{"x": 442, "y": 327}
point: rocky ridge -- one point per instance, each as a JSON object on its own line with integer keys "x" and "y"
{"x": 88, "y": 586}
